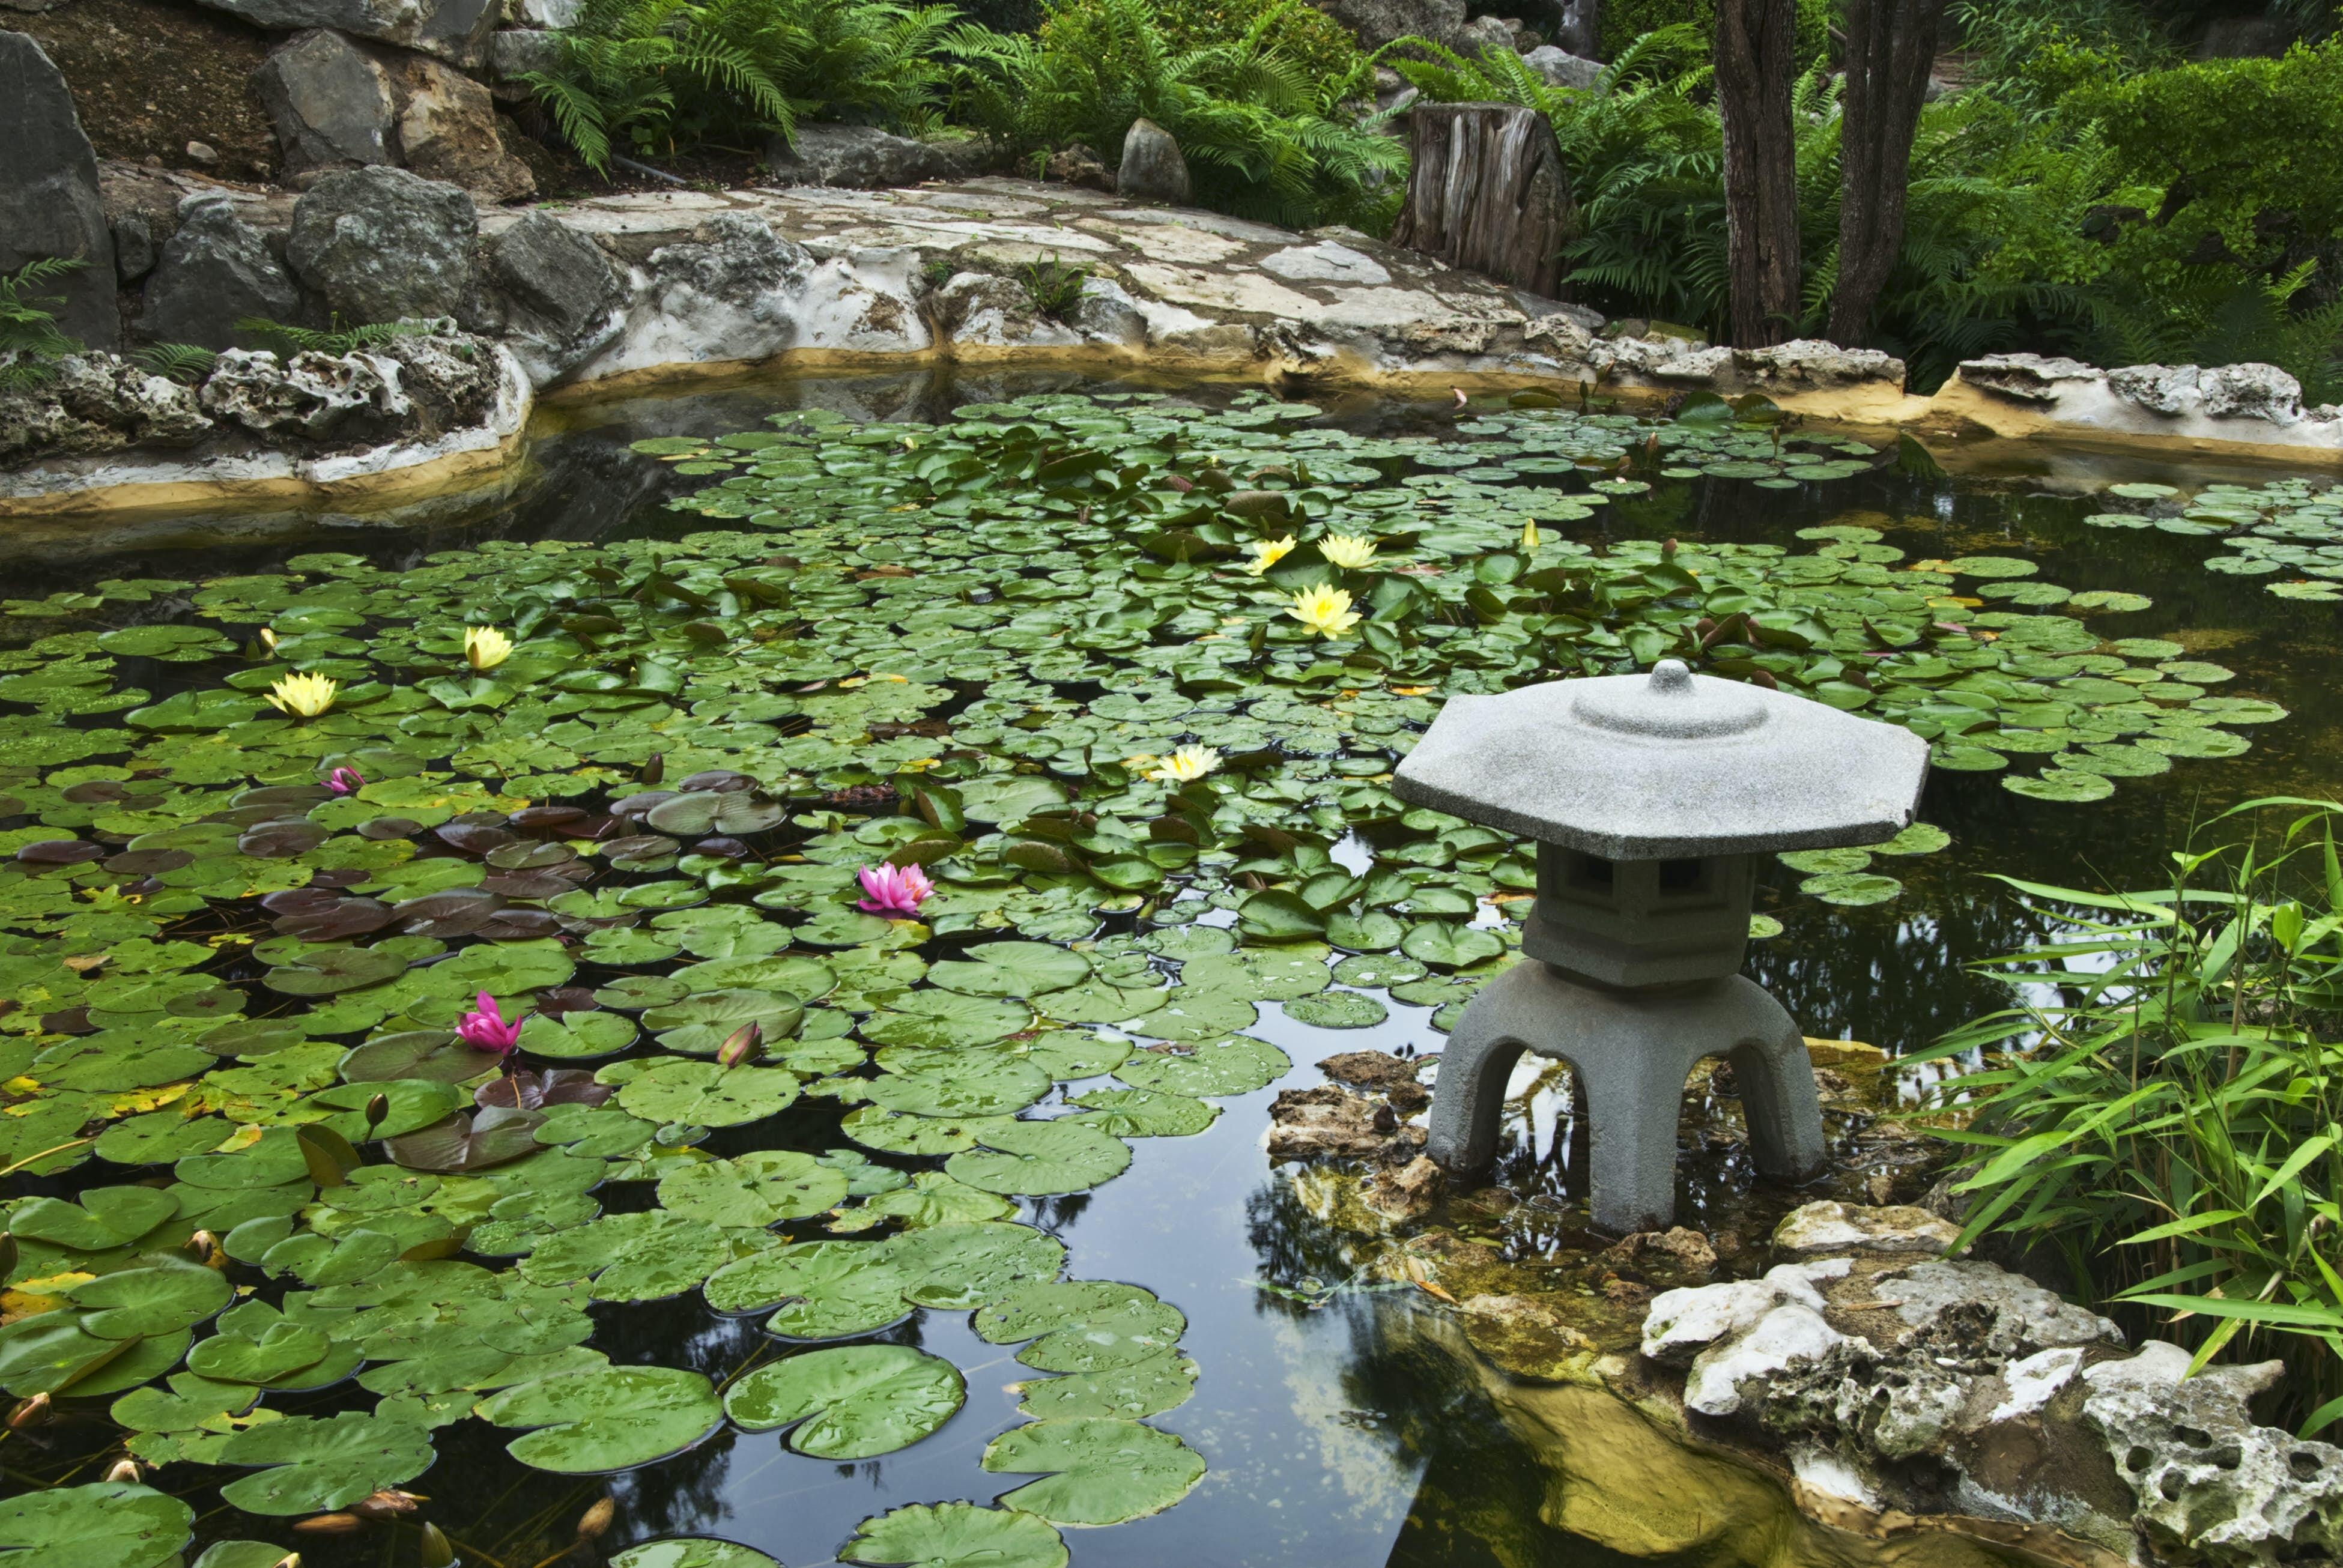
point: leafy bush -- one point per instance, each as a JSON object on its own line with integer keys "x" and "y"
{"x": 1313, "y": 41}
{"x": 1624, "y": 21}
{"x": 30, "y": 338}
{"x": 663, "y": 73}
{"x": 1260, "y": 134}
{"x": 2173, "y": 1129}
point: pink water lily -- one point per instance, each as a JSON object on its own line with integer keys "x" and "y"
{"x": 486, "y": 1029}
{"x": 345, "y": 781}
{"x": 893, "y": 890}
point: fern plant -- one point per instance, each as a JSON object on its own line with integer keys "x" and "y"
{"x": 2224, "y": 316}
{"x": 1263, "y": 135}
{"x": 678, "y": 73}
{"x": 290, "y": 340}
{"x": 31, "y": 342}
{"x": 182, "y": 362}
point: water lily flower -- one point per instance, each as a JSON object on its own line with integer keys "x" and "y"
{"x": 345, "y": 781}
{"x": 1460, "y": 395}
{"x": 303, "y": 695}
{"x": 1348, "y": 551}
{"x": 268, "y": 638}
{"x": 1529, "y": 534}
{"x": 892, "y": 890}
{"x": 1325, "y": 610}
{"x": 1267, "y": 553}
{"x": 1186, "y": 765}
{"x": 485, "y": 647}
{"x": 486, "y": 1029}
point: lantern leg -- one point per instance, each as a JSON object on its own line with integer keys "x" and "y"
{"x": 1632, "y": 1052}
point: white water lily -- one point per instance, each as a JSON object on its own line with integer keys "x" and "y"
{"x": 1348, "y": 551}
{"x": 1186, "y": 765}
{"x": 303, "y": 695}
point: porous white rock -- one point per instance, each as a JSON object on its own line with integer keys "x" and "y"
{"x": 1817, "y": 1230}
{"x": 310, "y": 395}
{"x": 1789, "y": 1335}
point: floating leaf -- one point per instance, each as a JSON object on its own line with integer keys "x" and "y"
{"x": 852, "y": 1402}
{"x": 1099, "y": 1470}
{"x": 956, "y": 1535}
{"x": 605, "y": 1418}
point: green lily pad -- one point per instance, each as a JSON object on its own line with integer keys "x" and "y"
{"x": 103, "y": 1525}
{"x": 603, "y": 1419}
{"x": 956, "y": 1535}
{"x": 855, "y": 1401}
{"x": 319, "y": 1463}
{"x": 703, "y": 1094}
{"x": 759, "y": 1189}
{"x": 1080, "y": 1325}
{"x": 1137, "y": 1389}
{"x": 1036, "y": 1158}
{"x": 1098, "y": 1470}
{"x": 1235, "y": 1065}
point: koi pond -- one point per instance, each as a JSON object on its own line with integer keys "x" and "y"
{"x": 728, "y": 1015}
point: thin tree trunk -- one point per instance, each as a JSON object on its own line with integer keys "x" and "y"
{"x": 1757, "y": 66}
{"x": 1890, "y": 46}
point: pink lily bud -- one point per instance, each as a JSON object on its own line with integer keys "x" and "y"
{"x": 486, "y": 1029}
{"x": 745, "y": 1043}
{"x": 345, "y": 781}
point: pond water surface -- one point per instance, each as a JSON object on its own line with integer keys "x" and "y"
{"x": 1343, "y": 1428}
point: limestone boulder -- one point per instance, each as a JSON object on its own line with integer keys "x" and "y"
{"x": 562, "y": 300}
{"x": 864, "y": 157}
{"x": 447, "y": 131}
{"x": 217, "y": 271}
{"x": 49, "y": 193}
{"x": 2213, "y": 1486}
{"x": 311, "y": 395}
{"x": 2028, "y": 377}
{"x": 2251, "y": 391}
{"x": 1305, "y": 1123}
{"x": 454, "y": 30}
{"x": 1824, "y": 1229}
{"x": 383, "y": 244}
{"x": 1812, "y": 365}
{"x": 97, "y": 403}
{"x": 515, "y": 52}
{"x": 330, "y": 102}
{"x": 1562, "y": 68}
{"x": 1153, "y": 170}
{"x": 1378, "y": 22}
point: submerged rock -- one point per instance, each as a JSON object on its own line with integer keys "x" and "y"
{"x": 1304, "y": 1123}
{"x": 1408, "y": 1192}
{"x": 1822, "y": 1229}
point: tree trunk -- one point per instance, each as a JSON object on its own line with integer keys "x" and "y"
{"x": 1757, "y": 66}
{"x": 1890, "y": 44}
{"x": 1487, "y": 191}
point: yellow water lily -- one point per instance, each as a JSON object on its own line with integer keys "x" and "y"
{"x": 1348, "y": 551}
{"x": 485, "y": 647}
{"x": 303, "y": 695}
{"x": 268, "y": 638}
{"x": 1325, "y": 610}
{"x": 1267, "y": 553}
{"x": 1529, "y": 534}
{"x": 1186, "y": 765}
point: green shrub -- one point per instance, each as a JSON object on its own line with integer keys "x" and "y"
{"x": 1262, "y": 136}
{"x": 2171, "y": 1121}
{"x": 1624, "y": 21}
{"x": 1321, "y": 48}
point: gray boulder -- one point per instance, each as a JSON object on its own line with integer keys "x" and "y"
{"x": 1378, "y": 22}
{"x": 329, "y": 100}
{"x": 2028, "y": 377}
{"x": 381, "y": 244}
{"x": 215, "y": 271}
{"x": 563, "y": 300}
{"x": 134, "y": 253}
{"x": 515, "y": 52}
{"x": 48, "y": 189}
{"x": 1152, "y": 168}
{"x": 454, "y": 30}
{"x": 2213, "y": 1486}
{"x": 447, "y": 131}
{"x": 864, "y": 157}
{"x": 97, "y": 403}
{"x": 1563, "y": 69}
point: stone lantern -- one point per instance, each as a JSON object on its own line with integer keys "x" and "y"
{"x": 1650, "y": 798}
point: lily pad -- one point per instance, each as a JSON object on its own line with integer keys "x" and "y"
{"x": 1099, "y": 1470}
{"x": 604, "y": 1419}
{"x": 852, "y": 1402}
{"x": 956, "y": 1535}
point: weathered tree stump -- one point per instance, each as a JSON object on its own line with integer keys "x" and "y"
{"x": 1487, "y": 191}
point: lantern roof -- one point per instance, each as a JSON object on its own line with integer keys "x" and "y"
{"x": 1667, "y": 766}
